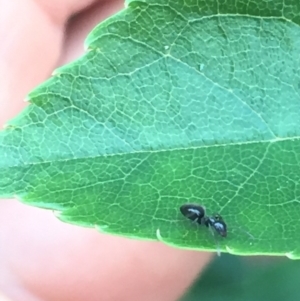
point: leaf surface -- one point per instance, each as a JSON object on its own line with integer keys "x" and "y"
{"x": 174, "y": 102}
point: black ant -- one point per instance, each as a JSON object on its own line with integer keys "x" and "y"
{"x": 215, "y": 223}
{"x": 196, "y": 213}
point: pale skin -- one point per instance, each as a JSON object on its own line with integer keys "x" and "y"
{"x": 42, "y": 258}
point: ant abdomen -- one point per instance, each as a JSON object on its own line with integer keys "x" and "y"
{"x": 194, "y": 212}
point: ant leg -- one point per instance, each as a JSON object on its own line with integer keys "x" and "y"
{"x": 208, "y": 224}
{"x": 216, "y": 240}
{"x": 211, "y": 230}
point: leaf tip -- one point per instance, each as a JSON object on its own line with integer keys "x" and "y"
{"x": 27, "y": 98}
{"x": 230, "y": 250}
{"x": 6, "y": 126}
{"x": 291, "y": 255}
{"x": 102, "y": 228}
{"x": 57, "y": 71}
{"x": 158, "y": 236}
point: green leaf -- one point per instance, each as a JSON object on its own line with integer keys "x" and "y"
{"x": 174, "y": 102}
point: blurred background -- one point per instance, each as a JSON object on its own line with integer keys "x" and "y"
{"x": 237, "y": 278}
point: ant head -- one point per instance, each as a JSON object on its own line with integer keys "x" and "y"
{"x": 217, "y": 223}
{"x": 221, "y": 228}
{"x": 217, "y": 217}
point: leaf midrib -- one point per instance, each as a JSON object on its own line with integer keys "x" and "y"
{"x": 157, "y": 151}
